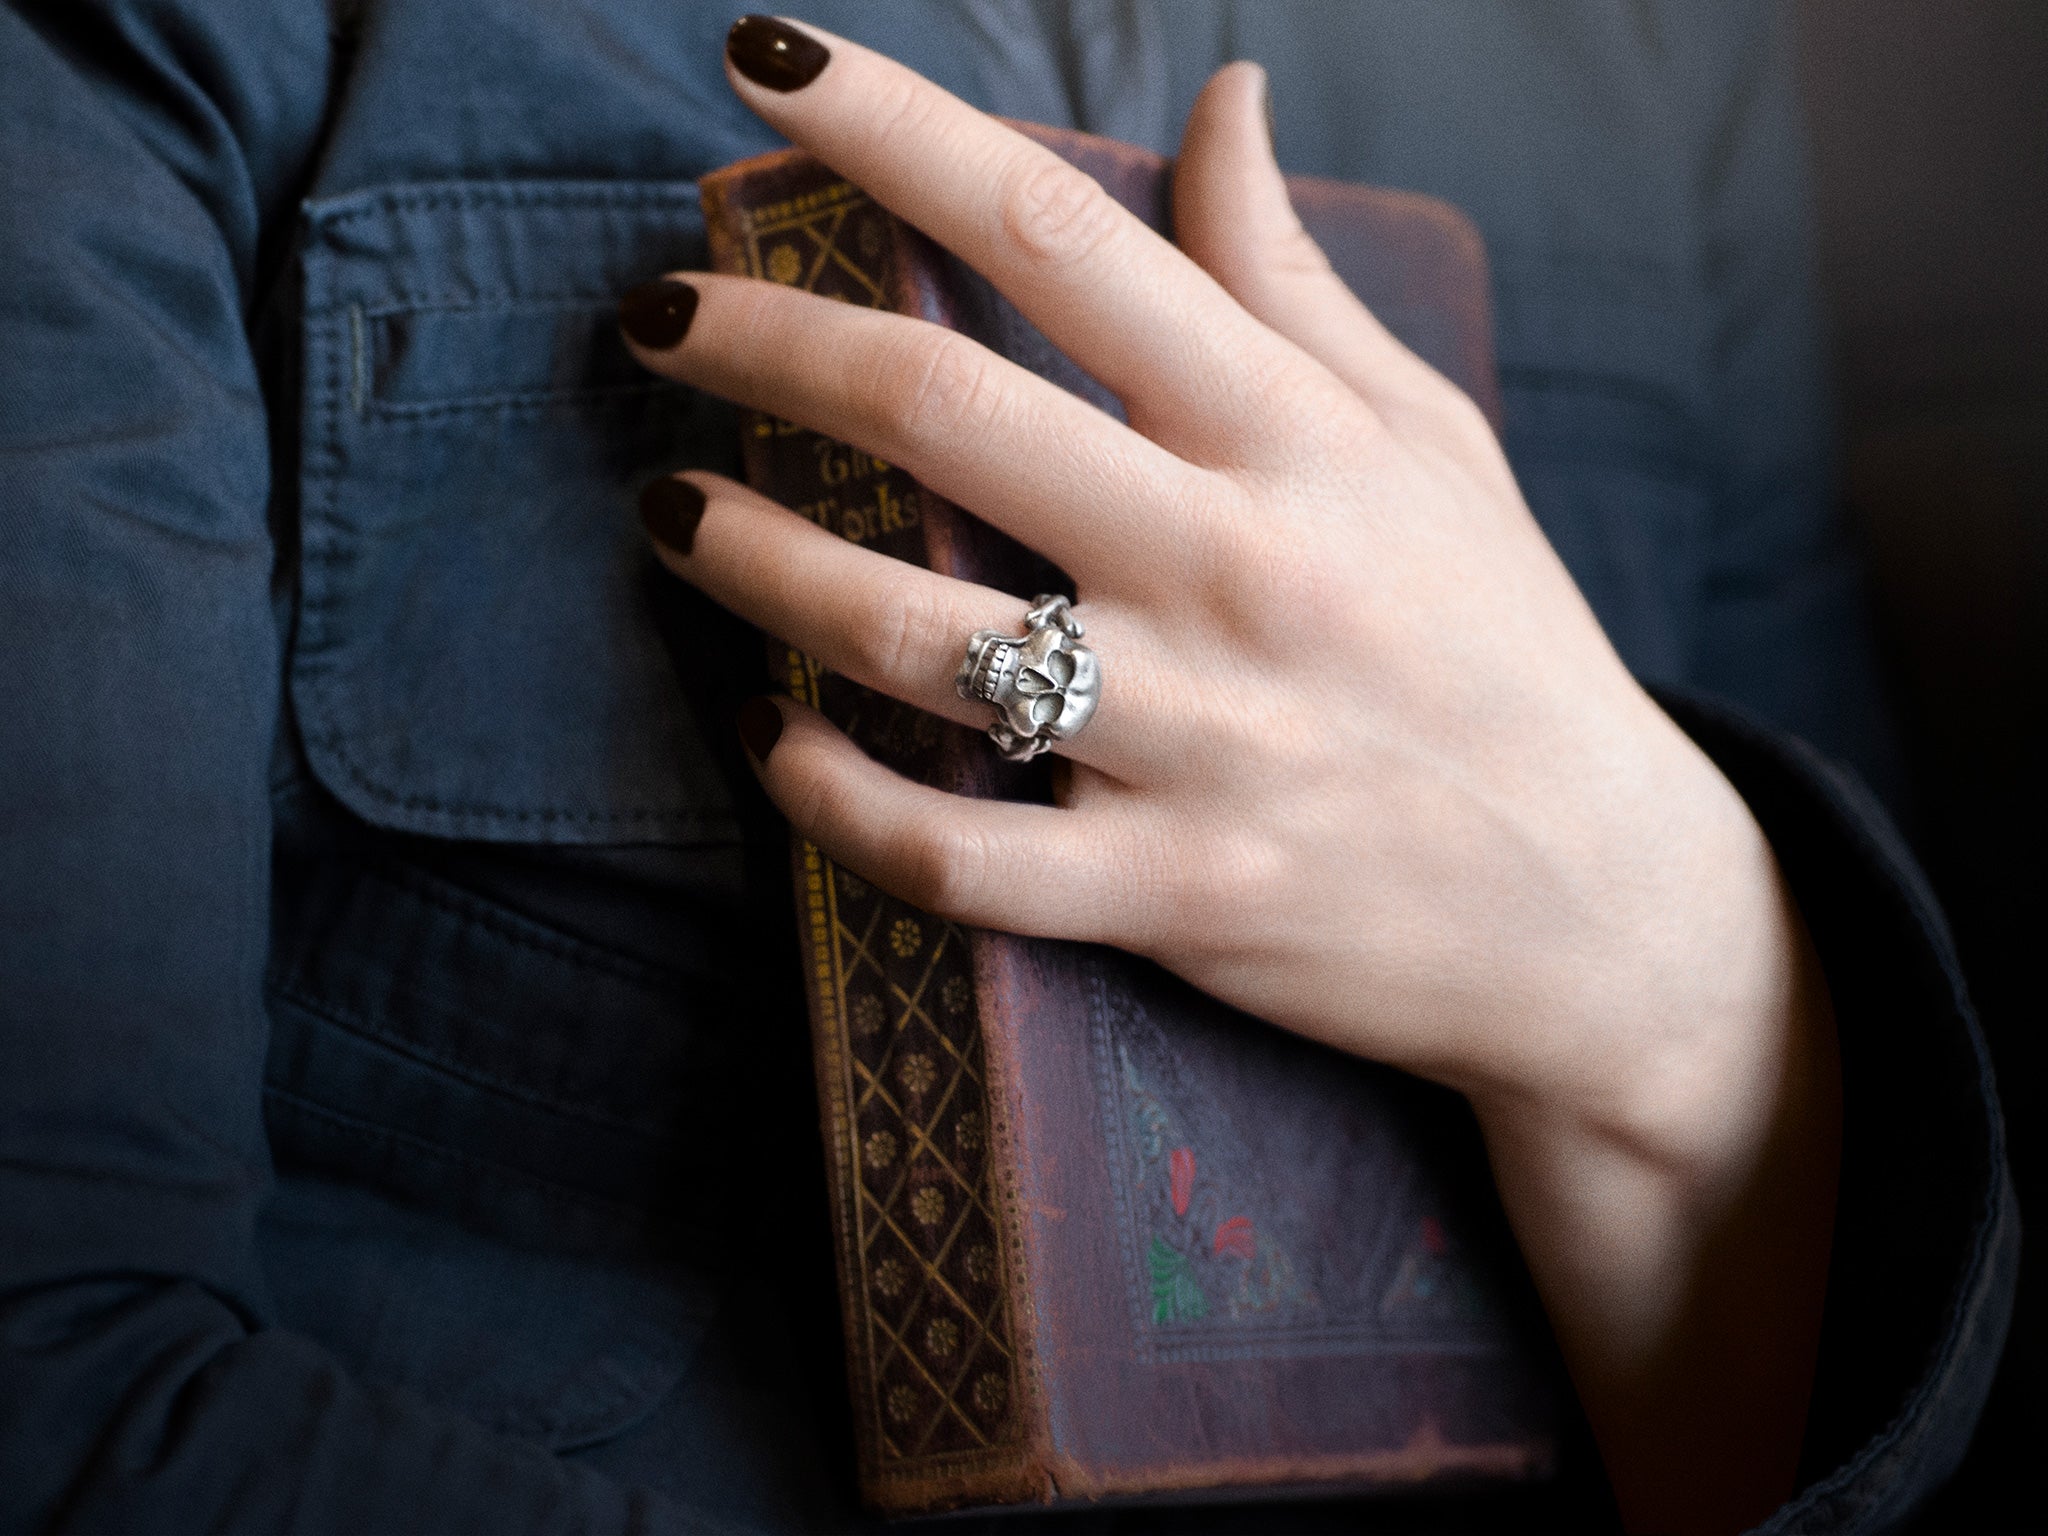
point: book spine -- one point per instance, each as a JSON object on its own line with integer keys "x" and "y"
{"x": 927, "y": 1245}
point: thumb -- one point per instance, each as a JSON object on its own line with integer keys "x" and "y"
{"x": 1232, "y": 216}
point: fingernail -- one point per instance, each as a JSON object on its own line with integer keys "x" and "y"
{"x": 773, "y": 53}
{"x": 657, "y": 315}
{"x": 1266, "y": 102}
{"x": 670, "y": 510}
{"x": 760, "y": 727}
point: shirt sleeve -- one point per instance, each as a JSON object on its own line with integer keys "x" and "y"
{"x": 142, "y": 1385}
{"x": 1926, "y": 1243}
{"x": 1926, "y": 1239}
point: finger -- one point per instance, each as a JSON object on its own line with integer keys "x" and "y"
{"x": 1232, "y": 215}
{"x": 1194, "y": 371}
{"x": 985, "y": 862}
{"x": 1044, "y": 465}
{"x": 884, "y": 623}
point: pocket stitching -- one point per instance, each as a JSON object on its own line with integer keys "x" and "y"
{"x": 315, "y": 613}
{"x": 425, "y": 413}
{"x": 455, "y": 301}
{"x": 498, "y": 301}
{"x": 472, "y": 195}
{"x": 335, "y": 742}
{"x": 368, "y": 1130}
{"x": 287, "y": 991}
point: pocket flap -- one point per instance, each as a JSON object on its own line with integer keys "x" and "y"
{"x": 476, "y": 653}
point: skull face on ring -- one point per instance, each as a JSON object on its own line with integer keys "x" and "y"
{"x": 1043, "y": 686}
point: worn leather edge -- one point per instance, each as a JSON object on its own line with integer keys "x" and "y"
{"x": 1005, "y": 1473}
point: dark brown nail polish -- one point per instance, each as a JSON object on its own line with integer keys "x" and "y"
{"x": 658, "y": 314}
{"x": 760, "y": 727}
{"x": 670, "y": 510}
{"x": 773, "y": 53}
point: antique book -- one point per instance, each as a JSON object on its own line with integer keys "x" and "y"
{"x": 1099, "y": 1236}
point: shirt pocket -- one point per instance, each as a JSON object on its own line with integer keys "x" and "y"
{"x": 477, "y": 654}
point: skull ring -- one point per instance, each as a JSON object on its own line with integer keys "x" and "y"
{"x": 1044, "y": 686}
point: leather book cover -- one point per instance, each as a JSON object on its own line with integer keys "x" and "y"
{"x": 1099, "y": 1236}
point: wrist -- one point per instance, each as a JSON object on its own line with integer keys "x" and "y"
{"x": 1670, "y": 1011}
{"x": 1671, "y": 1182}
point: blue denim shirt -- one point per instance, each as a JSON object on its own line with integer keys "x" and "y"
{"x": 405, "y": 1116}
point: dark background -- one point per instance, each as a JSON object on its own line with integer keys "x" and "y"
{"x": 1929, "y": 124}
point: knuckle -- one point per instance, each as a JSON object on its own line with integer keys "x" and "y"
{"x": 1303, "y": 407}
{"x": 1332, "y": 424}
{"x": 894, "y": 634}
{"x": 945, "y": 867}
{"x": 945, "y": 387}
{"x": 1468, "y": 425}
{"x": 1316, "y": 596}
{"x": 1235, "y": 875}
{"x": 1056, "y": 213}
{"x": 901, "y": 107}
{"x": 1295, "y": 253}
{"x": 1281, "y": 587}
{"x": 1262, "y": 266}
{"x": 814, "y": 804}
{"x": 1449, "y": 429}
{"x": 1260, "y": 572}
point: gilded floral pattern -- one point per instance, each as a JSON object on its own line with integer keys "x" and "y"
{"x": 990, "y": 1392}
{"x": 867, "y": 1015}
{"x": 902, "y": 1402}
{"x": 917, "y": 1074}
{"x": 889, "y": 1279}
{"x": 879, "y": 1151}
{"x": 981, "y": 1264}
{"x": 894, "y": 987}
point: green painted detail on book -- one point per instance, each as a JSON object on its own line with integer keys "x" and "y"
{"x": 1176, "y": 1294}
{"x": 937, "y": 1368}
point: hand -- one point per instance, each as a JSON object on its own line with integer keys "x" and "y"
{"x": 1365, "y": 765}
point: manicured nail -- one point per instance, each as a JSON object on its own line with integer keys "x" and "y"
{"x": 773, "y": 53}
{"x": 670, "y": 510}
{"x": 760, "y": 727}
{"x": 657, "y": 315}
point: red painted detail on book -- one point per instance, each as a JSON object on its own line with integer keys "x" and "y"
{"x": 1180, "y": 1175}
{"x": 1235, "y": 1236}
{"x": 1434, "y": 1241}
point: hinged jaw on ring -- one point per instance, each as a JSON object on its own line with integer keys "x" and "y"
{"x": 1044, "y": 687}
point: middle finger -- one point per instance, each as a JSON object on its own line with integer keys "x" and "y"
{"x": 1101, "y": 501}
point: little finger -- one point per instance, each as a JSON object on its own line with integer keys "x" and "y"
{"x": 990, "y": 863}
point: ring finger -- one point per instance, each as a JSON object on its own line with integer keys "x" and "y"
{"x": 882, "y": 622}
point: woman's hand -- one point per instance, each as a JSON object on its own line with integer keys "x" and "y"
{"x": 1364, "y": 764}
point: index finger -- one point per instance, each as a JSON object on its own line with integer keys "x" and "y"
{"x": 1195, "y": 372}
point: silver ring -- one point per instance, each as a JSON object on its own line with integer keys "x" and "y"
{"x": 1043, "y": 685}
